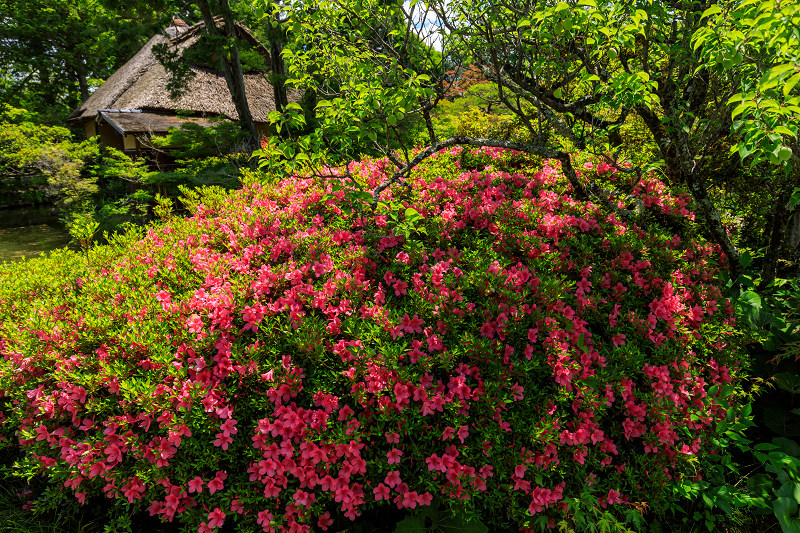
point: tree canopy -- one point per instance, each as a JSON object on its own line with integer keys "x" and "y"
{"x": 706, "y": 78}
{"x": 53, "y": 52}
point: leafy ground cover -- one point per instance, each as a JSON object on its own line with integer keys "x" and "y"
{"x": 286, "y": 359}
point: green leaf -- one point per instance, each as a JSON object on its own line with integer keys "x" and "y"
{"x": 713, "y": 10}
{"x": 412, "y": 214}
{"x": 456, "y": 524}
{"x": 760, "y": 484}
{"x": 789, "y": 85}
{"x": 785, "y": 509}
{"x": 782, "y": 422}
{"x": 739, "y": 109}
{"x": 750, "y": 299}
{"x": 786, "y": 490}
{"x": 744, "y": 150}
{"x": 364, "y": 196}
{"x": 729, "y": 61}
{"x": 410, "y": 524}
{"x": 780, "y": 69}
{"x": 787, "y": 445}
{"x": 788, "y": 381}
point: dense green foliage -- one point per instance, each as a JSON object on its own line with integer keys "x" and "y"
{"x": 573, "y": 71}
{"x": 202, "y": 156}
{"x": 43, "y": 163}
{"x": 53, "y": 53}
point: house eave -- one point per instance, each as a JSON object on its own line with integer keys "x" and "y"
{"x": 104, "y": 114}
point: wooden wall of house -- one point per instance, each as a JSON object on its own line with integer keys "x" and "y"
{"x": 111, "y": 137}
{"x": 90, "y": 128}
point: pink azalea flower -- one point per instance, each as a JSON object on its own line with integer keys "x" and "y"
{"x": 223, "y": 441}
{"x": 96, "y": 469}
{"x": 392, "y": 478}
{"x": 425, "y": 498}
{"x": 393, "y": 456}
{"x": 194, "y": 324}
{"x": 217, "y": 484}
{"x": 216, "y": 518}
{"x": 325, "y": 521}
{"x": 400, "y": 288}
{"x": 412, "y": 325}
{"x": 264, "y": 518}
{"x": 133, "y": 490}
{"x": 435, "y": 463}
{"x": 196, "y": 485}
{"x": 381, "y": 492}
{"x": 154, "y": 508}
{"x": 304, "y": 498}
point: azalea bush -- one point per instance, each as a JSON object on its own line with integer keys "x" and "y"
{"x": 288, "y": 359}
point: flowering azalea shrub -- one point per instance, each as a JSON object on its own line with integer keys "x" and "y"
{"x": 289, "y": 360}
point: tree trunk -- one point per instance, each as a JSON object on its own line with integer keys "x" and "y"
{"x": 83, "y": 85}
{"x": 709, "y": 216}
{"x": 777, "y": 229}
{"x": 278, "y": 71}
{"x": 231, "y": 64}
{"x": 681, "y": 171}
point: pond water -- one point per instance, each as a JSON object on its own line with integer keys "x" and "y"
{"x": 30, "y": 231}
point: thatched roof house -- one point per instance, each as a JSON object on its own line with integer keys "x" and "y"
{"x": 135, "y": 101}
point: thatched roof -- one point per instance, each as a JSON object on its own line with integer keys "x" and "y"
{"x": 141, "y": 84}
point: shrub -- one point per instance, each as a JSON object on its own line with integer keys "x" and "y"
{"x": 470, "y": 112}
{"x": 286, "y": 359}
{"x": 41, "y": 163}
{"x": 23, "y": 177}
